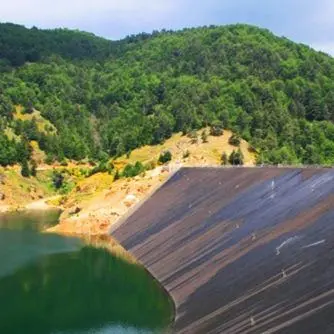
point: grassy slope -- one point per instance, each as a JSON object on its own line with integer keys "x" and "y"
{"x": 42, "y": 123}
{"x": 19, "y": 191}
{"x": 101, "y": 198}
{"x": 200, "y": 153}
{"x": 102, "y": 202}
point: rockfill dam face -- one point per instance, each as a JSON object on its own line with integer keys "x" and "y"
{"x": 241, "y": 250}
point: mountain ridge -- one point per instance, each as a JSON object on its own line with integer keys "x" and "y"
{"x": 106, "y": 98}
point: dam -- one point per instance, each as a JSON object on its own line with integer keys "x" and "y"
{"x": 241, "y": 250}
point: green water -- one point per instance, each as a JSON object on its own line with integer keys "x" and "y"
{"x": 54, "y": 284}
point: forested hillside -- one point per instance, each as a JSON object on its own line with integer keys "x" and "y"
{"x": 102, "y": 99}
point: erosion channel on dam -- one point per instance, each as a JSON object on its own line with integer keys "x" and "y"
{"x": 52, "y": 284}
{"x": 241, "y": 250}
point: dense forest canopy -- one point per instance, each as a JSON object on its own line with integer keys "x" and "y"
{"x": 105, "y": 98}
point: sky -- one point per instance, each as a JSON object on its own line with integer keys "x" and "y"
{"x": 307, "y": 21}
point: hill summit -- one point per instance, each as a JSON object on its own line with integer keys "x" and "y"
{"x": 99, "y": 99}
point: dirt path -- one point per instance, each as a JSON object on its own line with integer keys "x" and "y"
{"x": 41, "y": 204}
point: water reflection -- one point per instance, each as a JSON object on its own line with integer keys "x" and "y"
{"x": 29, "y": 220}
{"x": 53, "y": 284}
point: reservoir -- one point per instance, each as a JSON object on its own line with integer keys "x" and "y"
{"x": 61, "y": 285}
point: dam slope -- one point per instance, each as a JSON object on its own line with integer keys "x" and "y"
{"x": 241, "y": 250}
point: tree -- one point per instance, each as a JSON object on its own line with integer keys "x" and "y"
{"x": 25, "y": 172}
{"x": 236, "y": 158}
{"x": 116, "y": 175}
{"x": 275, "y": 94}
{"x": 33, "y": 169}
{"x": 193, "y": 136}
{"x": 216, "y": 129}
{"x": 224, "y": 159}
{"x": 57, "y": 179}
{"x": 234, "y": 140}
{"x": 8, "y": 151}
{"x": 165, "y": 157}
{"x": 204, "y": 136}
{"x": 29, "y": 108}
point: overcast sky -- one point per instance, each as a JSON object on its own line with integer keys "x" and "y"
{"x": 307, "y": 21}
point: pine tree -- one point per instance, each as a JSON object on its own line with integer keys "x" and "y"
{"x": 234, "y": 140}
{"x": 224, "y": 159}
{"x": 33, "y": 169}
{"x": 236, "y": 158}
{"x": 25, "y": 172}
{"x": 204, "y": 136}
{"x": 116, "y": 176}
{"x": 193, "y": 136}
{"x": 165, "y": 157}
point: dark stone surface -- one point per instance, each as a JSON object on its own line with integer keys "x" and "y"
{"x": 242, "y": 250}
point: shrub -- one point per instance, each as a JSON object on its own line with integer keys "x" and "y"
{"x": 193, "y": 136}
{"x": 29, "y": 108}
{"x": 216, "y": 129}
{"x": 49, "y": 159}
{"x": 186, "y": 154}
{"x": 25, "y": 172}
{"x": 133, "y": 170}
{"x": 91, "y": 162}
{"x": 64, "y": 163}
{"x": 116, "y": 175}
{"x": 236, "y": 158}
{"x": 150, "y": 165}
{"x": 224, "y": 159}
{"x": 57, "y": 179}
{"x": 234, "y": 140}
{"x": 33, "y": 169}
{"x": 102, "y": 167}
{"x": 204, "y": 137}
{"x": 165, "y": 157}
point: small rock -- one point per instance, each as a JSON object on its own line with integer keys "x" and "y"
{"x": 2, "y": 197}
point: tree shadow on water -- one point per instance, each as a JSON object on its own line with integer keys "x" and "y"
{"x": 81, "y": 291}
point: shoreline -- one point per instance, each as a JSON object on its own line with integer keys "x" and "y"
{"x": 38, "y": 205}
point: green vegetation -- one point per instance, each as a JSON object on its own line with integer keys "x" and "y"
{"x": 236, "y": 158}
{"x": 224, "y": 159}
{"x": 216, "y": 128}
{"x": 102, "y": 167}
{"x": 234, "y": 140}
{"x": 165, "y": 157}
{"x": 193, "y": 137}
{"x": 104, "y": 98}
{"x": 133, "y": 170}
{"x": 33, "y": 169}
{"x": 204, "y": 137}
{"x": 57, "y": 179}
{"x": 25, "y": 172}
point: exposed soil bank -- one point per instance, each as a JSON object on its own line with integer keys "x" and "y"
{"x": 243, "y": 250}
